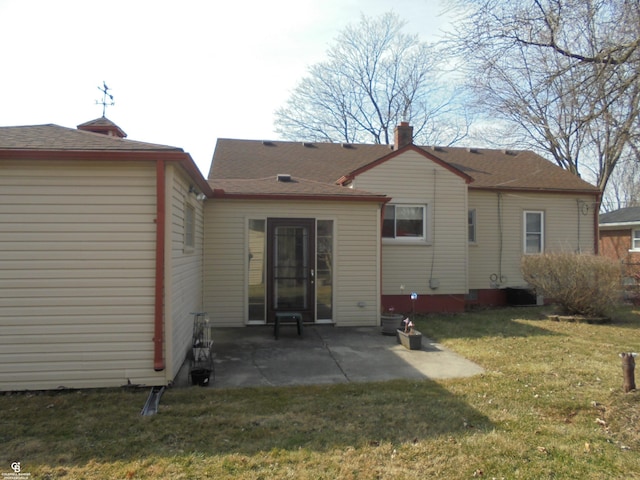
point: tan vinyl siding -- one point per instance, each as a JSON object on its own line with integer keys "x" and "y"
{"x": 356, "y": 264}
{"x": 184, "y": 269}
{"x": 410, "y": 178}
{"x": 77, "y": 270}
{"x": 568, "y": 226}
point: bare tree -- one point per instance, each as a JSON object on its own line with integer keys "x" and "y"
{"x": 624, "y": 186}
{"x": 564, "y": 75}
{"x": 374, "y": 77}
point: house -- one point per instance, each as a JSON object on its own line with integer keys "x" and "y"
{"x": 100, "y": 257}
{"x": 339, "y": 232}
{"x": 107, "y": 245}
{"x": 620, "y": 240}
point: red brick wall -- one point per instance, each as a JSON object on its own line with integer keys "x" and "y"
{"x": 616, "y": 244}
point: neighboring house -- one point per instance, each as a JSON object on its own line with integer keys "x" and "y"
{"x": 339, "y": 232}
{"x": 620, "y": 240}
{"x": 101, "y": 244}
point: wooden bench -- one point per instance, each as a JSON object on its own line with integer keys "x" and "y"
{"x": 287, "y": 317}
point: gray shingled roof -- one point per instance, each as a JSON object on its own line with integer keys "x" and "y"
{"x": 623, "y": 215}
{"x": 54, "y": 137}
{"x": 328, "y": 162}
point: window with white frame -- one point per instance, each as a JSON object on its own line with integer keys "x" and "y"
{"x": 405, "y": 222}
{"x": 533, "y": 232}
{"x": 635, "y": 240}
{"x": 472, "y": 225}
{"x": 189, "y": 226}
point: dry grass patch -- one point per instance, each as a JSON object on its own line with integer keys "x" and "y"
{"x": 534, "y": 414}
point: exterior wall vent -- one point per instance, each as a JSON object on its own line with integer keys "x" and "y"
{"x": 283, "y": 177}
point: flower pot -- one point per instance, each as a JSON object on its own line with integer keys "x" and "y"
{"x": 200, "y": 376}
{"x": 390, "y": 322}
{"x": 410, "y": 341}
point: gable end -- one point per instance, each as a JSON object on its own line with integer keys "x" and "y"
{"x": 346, "y": 179}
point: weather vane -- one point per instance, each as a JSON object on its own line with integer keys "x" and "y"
{"x": 105, "y": 93}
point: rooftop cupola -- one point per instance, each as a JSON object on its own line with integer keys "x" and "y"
{"x": 104, "y": 126}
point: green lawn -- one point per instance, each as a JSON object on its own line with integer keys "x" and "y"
{"x": 550, "y": 405}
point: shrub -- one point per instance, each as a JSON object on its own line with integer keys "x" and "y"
{"x": 581, "y": 284}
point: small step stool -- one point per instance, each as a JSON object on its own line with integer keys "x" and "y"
{"x": 287, "y": 317}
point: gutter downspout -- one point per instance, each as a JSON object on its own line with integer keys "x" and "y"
{"x": 596, "y": 225}
{"x": 158, "y": 322}
{"x": 380, "y": 294}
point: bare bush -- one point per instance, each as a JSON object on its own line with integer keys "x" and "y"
{"x": 581, "y": 284}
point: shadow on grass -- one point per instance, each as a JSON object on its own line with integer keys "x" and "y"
{"x": 478, "y": 324}
{"x": 55, "y": 429}
{"x": 626, "y": 316}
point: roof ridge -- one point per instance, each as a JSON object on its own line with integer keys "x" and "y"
{"x": 55, "y": 137}
{"x": 429, "y": 148}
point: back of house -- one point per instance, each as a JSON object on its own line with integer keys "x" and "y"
{"x": 108, "y": 246}
{"x": 448, "y": 224}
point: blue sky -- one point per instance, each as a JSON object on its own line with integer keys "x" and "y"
{"x": 182, "y": 73}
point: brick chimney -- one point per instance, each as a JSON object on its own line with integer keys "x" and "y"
{"x": 403, "y": 135}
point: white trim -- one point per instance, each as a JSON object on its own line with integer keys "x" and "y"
{"x": 620, "y": 224}
{"x": 426, "y": 225}
{"x": 475, "y": 226}
{"x": 245, "y": 300}
{"x": 264, "y": 218}
{"x": 334, "y": 245}
{"x": 524, "y": 231}
{"x": 635, "y": 248}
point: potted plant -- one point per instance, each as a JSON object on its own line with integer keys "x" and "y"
{"x": 408, "y": 336}
{"x": 390, "y": 321}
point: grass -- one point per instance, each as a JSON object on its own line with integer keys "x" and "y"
{"x": 550, "y": 405}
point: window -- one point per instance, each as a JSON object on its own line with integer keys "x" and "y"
{"x": 533, "y": 232}
{"x": 256, "y": 274}
{"x": 324, "y": 274}
{"x": 404, "y": 221}
{"x": 257, "y": 269}
{"x": 472, "y": 226}
{"x": 635, "y": 240}
{"x": 189, "y": 226}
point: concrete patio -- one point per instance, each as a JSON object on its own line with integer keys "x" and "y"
{"x": 251, "y": 356}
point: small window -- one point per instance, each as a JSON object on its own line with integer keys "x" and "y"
{"x": 257, "y": 262}
{"x": 533, "y": 232}
{"x": 404, "y": 221}
{"x": 635, "y": 240}
{"x": 324, "y": 269}
{"x": 189, "y": 226}
{"x": 472, "y": 226}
